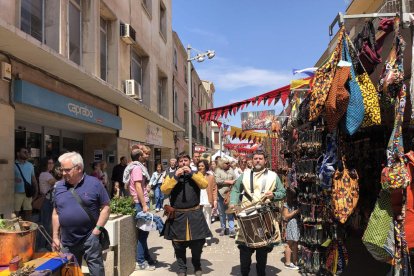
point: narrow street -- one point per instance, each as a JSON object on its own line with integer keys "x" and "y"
{"x": 219, "y": 259}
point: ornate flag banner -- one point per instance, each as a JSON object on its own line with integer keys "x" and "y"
{"x": 257, "y": 120}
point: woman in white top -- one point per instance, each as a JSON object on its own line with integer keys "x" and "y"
{"x": 155, "y": 182}
{"x": 208, "y": 196}
{"x": 46, "y": 185}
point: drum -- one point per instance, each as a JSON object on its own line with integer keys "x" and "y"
{"x": 258, "y": 225}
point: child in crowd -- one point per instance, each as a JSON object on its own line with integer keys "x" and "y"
{"x": 290, "y": 215}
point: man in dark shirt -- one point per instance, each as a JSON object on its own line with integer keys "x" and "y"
{"x": 188, "y": 228}
{"x": 118, "y": 173}
{"x": 73, "y": 230}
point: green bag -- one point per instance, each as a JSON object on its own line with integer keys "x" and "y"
{"x": 379, "y": 236}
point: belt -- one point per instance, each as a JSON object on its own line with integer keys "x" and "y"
{"x": 188, "y": 209}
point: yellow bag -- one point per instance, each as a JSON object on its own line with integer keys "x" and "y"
{"x": 372, "y": 115}
{"x": 345, "y": 193}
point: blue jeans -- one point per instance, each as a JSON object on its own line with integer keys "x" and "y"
{"x": 223, "y": 216}
{"x": 91, "y": 250}
{"x": 142, "y": 246}
{"x": 159, "y": 197}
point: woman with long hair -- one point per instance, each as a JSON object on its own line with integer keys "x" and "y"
{"x": 155, "y": 182}
{"x": 208, "y": 196}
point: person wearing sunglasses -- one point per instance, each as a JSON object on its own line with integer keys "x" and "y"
{"x": 79, "y": 198}
{"x": 25, "y": 184}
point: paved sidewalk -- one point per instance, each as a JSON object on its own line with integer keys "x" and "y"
{"x": 221, "y": 258}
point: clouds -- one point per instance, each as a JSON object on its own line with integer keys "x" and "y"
{"x": 232, "y": 77}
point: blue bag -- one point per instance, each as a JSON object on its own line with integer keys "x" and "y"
{"x": 355, "y": 112}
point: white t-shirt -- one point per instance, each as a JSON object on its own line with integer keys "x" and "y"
{"x": 44, "y": 178}
{"x": 204, "y": 198}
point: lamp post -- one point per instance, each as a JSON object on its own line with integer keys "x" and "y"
{"x": 200, "y": 57}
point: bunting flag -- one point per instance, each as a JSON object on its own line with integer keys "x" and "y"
{"x": 257, "y": 137}
{"x": 270, "y": 97}
{"x": 296, "y": 84}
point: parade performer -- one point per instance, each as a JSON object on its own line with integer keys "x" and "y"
{"x": 186, "y": 225}
{"x": 266, "y": 183}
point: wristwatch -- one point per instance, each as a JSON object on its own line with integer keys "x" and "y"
{"x": 100, "y": 228}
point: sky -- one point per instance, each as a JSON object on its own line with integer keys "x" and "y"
{"x": 257, "y": 43}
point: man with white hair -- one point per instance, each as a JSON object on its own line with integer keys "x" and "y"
{"x": 73, "y": 229}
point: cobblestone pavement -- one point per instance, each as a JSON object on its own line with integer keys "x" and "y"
{"x": 221, "y": 258}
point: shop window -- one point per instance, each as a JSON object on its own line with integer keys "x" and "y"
{"x": 163, "y": 20}
{"x": 136, "y": 67}
{"x": 52, "y": 146}
{"x": 72, "y": 144}
{"x": 75, "y": 31}
{"x": 104, "y": 48}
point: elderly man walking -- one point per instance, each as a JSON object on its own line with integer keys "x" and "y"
{"x": 73, "y": 229}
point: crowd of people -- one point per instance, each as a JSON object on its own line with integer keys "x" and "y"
{"x": 198, "y": 190}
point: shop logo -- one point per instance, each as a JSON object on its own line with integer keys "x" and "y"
{"x": 79, "y": 110}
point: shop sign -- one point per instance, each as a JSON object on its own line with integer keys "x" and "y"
{"x": 153, "y": 135}
{"x": 36, "y": 96}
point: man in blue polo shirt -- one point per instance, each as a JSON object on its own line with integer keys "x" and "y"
{"x": 73, "y": 230}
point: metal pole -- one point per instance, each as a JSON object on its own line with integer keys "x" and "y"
{"x": 190, "y": 107}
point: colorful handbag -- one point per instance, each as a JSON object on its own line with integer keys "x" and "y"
{"x": 323, "y": 80}
{"x": 355, "y": 111}
{"x": 345, "y": 193}
{"x": 379, "y": 235}
{"x": 327, "y": 162}
{"x": 395, "y": 175}
{"x": 338, "y": 98}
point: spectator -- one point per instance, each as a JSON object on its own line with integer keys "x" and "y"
{"x": 225, "y": 178}
{"x": 118, "y": 174}
{"x": 155, "y": 182}
{"x": 73, "y": 229}
{"x": 46, "y": 186}
{"x": 208, "y": 196}
{"x": 23, "y": 172}
{"x": 136, "y": 174}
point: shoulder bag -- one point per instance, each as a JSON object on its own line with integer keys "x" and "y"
{"x": 29, "y": 189}
{"x": 104, "y": 236}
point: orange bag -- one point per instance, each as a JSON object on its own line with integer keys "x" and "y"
{"x": 345, "y": 193}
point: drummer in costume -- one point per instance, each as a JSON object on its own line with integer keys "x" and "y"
{"x": 186, "y": 225}
{"x": 266, "y": 183}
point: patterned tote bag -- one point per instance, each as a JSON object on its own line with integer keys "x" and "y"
{"x": 379, "y": 235}
{"x": 323, "y": 80}
{"x": 355, "y": 110}
{"x": 395, "y": 175}
{"x": 345, "y": 193}
{"x": 372, "y": 115}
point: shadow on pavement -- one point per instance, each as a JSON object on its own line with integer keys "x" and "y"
{"x": 270, "y": 270}
{"x": 190, "y": 269}
{"x": 153, "y": 251}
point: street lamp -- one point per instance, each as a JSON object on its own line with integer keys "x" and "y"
{"x": 200, "y": 57}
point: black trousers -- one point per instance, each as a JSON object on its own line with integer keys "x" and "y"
{"x": 246, "y": 259}
{"x": 180, "y": 248}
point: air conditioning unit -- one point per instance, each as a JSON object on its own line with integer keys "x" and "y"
{"x": 133, "y": 89}
{"x": 127, "y": 33}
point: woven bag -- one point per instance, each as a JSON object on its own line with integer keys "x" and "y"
{"x": 379, "y": 235}
{"x": 345, "y": 193}
{"x": 323, "y": 80}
